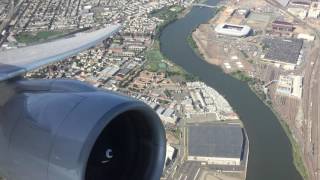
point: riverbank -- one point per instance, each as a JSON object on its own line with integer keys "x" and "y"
{"x": 156, "y": 61}
{"x": 255, "y": 85}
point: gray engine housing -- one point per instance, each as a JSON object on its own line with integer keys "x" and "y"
{"x": 49, "y": 128}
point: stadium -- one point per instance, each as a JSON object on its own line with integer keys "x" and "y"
{"x": 233, "y": 30}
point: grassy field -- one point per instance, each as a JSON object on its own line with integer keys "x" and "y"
{"x": 296, "y": 152}
{"x": 155, "y": 59}
{"x": 241, "y": 76}
{"x": 156, "y": 62}
{"x": 192, "y": 43}
{"x": 168, "y": 15}
{"x": 29, "y": 38}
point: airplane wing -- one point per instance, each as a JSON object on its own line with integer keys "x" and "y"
{"x": 19, "y": 61}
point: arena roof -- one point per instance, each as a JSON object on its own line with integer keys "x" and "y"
{"x": 216, "y": 140}
{"x": 233, "y": 30}
{"x": 285, "y": 50}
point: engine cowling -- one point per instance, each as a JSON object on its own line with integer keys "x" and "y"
{"x": 67, "y": 130}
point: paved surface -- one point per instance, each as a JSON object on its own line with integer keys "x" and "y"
{"x": 188, "y": 171}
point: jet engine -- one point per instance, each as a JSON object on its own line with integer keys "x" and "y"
{"x": 68, "y": 130}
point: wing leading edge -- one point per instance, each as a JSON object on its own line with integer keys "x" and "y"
{"x": 19, "y": 61}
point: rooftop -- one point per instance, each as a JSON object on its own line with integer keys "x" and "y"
{"x": 233, "y": 30}
{"x": 285, "y": 50}
{"x": 216, "y": 140}
{"x": 278, "y": 22}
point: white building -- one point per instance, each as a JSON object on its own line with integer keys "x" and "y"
{"x": 233, "y": 30}
{"x": 169, "y": 153}
{"x": 290, "y": 85}
{"x": 307, "y": 37}
{"x": 314, "y": 11}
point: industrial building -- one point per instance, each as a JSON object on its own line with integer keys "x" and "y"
{"x": 283, "y": 51}
{"x": 306, "y": 37}
{"x": 314, "y": 11}
{"x": 170, "y": 154}
{"x": 290, "y": 85}
{"x": 217, "y": 144}
{"x": 305, "y": 4}
{"x": 241, "y": 13}
{"x": 233, "y": 30}
{"x": 282, "y": 26}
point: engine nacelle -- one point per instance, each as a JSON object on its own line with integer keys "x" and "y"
{"x": 67, "y": 130}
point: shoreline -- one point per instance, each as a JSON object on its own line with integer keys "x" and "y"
{"x": 298, "y": 161}
{"x": 195, "y": 78}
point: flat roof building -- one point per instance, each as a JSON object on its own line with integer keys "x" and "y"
{"x": 219, "y": 144}
{"x": 305, "y": 4}
{"x": 290, "y": 85}
{"x": 283, "y": 51}
{"x": 242, "y": 12}
{"x": 282, "y": 26}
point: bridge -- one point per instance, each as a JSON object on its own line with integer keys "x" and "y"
{"x": 271, "y": 82}
{"x": 205, "y": 5}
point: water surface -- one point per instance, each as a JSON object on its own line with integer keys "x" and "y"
{"x": 270, "y": 149}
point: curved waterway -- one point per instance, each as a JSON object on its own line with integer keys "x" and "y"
{"x": 270, "y": 155}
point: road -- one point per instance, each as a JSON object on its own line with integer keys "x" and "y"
{"x": 187, "y": 171}
{"x": 14, "y": 8}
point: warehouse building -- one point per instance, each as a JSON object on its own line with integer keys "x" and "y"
{"x": 217, "y": 144}
{"x": 283, "y": 51}
{"x": 282, "y": 26}
{"x": 304, "y": 4}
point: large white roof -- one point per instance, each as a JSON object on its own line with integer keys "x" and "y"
{"x": 245, "y": 30}
{"x": 18, "y": 61}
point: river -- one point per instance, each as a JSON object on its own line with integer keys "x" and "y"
{"x": 270, "y": 149}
